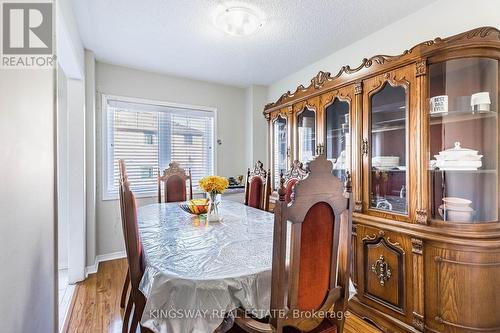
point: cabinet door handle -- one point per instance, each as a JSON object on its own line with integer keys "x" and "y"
{"x": 288, "y": 152}
{"x": 364, "y": 147}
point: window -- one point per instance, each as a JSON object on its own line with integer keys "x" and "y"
{"x": 148, "y": 136}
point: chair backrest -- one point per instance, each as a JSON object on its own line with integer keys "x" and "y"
{"x": 175, "y": 180}
{"x": 297, "y": 172}
{"x": 130, "y": 228}
{"x": 258, "y": 187}
{"x": 320, "y": 250}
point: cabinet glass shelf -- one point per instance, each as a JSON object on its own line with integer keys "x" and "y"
{"x": 338, "y": 139}
{"x": 388, "y": 144}
{"x": 494, "y": 171}
{"x": 464, "y": 196}
{"x": 280, "y": 146}
{"x": 306, "y": 135}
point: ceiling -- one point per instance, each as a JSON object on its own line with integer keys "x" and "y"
{"x": 177, "y": 37}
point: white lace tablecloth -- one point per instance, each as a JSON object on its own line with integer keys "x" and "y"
{"x": 197, "y": 272}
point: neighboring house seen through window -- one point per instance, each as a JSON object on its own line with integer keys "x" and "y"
{"x": 149, "y": 135}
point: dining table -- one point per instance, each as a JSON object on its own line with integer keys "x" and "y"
{"x": 198, "y": 273}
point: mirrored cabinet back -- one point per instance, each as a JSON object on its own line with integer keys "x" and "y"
{"x": 419, "y": 134}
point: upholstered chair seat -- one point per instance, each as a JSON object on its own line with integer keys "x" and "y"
{"x": 324, "y": 327}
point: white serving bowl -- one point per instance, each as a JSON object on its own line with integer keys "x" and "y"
{"x": 463, "y": 215}
{"x": 457, "y": 153}
{"x": 459, "y": 165}
{"x": 456, "y": 203}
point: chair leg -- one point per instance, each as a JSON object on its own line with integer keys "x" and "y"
{"x": 139, "y": 305}
{"x": 126, "y": 315}
{"x": 125, "y": 289}
{"x": 135, "y": 322}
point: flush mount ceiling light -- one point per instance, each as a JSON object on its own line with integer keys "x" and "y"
{"x": 238, "y": 21}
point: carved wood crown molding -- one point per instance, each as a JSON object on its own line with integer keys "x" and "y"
{"x": 323, "y": 78}
{"x": 297, "y": 171}
{"x": 173, "y": 169}
{"x": 392, "y": 79}
{"x": 258, "y": 170}
{"x": 381, "y": 237}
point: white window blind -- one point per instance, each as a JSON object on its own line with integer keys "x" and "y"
{"x": 149, "y": 136}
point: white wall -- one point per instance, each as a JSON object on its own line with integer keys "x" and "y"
{"x": 62, "y": 169}
{"x": 90, "y": 156}
{"x": 70, "y": 52}
{"x": 122, "y": 81}
{"x": 27, "y": 201}
{"x": 76, "y": 183}
{"x": 71, "y": 58}
{"x": 440, "y": 19}
{"x": 256, "y": 125}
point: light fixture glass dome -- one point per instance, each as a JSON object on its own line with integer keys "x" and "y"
{"x": 238, "y": 21}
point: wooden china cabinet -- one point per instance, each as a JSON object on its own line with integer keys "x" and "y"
{"x": 419, "y": 133}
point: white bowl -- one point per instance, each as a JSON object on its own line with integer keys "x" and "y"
{"x": 456, "y": 215}
{"x": 456, "y": 203}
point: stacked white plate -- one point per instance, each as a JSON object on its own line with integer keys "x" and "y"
{"x": 385, "y": 162}
{"x": 458, "y": 158}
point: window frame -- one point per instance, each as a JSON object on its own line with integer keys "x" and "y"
{"x": 106, "y": 193}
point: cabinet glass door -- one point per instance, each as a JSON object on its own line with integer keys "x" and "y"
{"x": 388, "y": 149}
{"x": 306, "y": 135}
{"x": 280, "y": 146}
{"x": 463, "y": 140}
{"x": 337, "y": 137}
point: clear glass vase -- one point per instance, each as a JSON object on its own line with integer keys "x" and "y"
{"x": 213, "y": 207}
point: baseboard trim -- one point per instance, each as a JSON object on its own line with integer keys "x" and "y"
{"x": 69, "y": 311}
{"x": 92, "y": 269}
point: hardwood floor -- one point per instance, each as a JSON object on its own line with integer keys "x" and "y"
{"x": 97, "y": 309}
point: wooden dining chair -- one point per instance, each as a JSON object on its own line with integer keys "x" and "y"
{"x": 175, "y": 181}
{"x": 126, "y": 283}
{"x": 291, "y": 177}
{"x": 258, "y": 187}
{"x": 133, "y": 247}
{"x": 316, "y": 281}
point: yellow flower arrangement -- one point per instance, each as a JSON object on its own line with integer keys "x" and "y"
{"x": 214, "y": 184}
